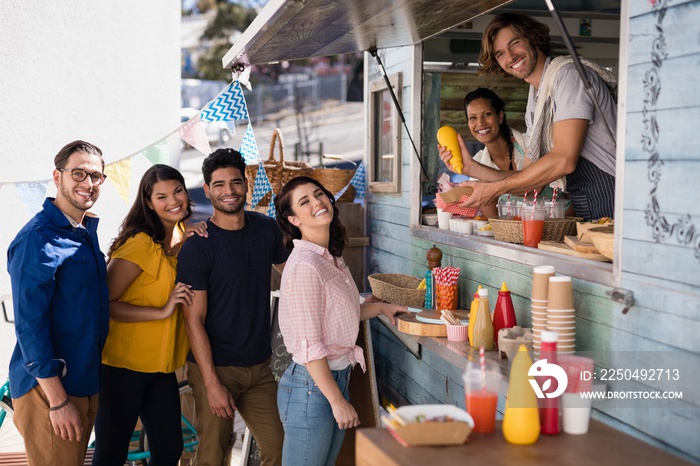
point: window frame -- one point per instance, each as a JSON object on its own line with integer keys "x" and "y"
{"x": 376, "y": 88}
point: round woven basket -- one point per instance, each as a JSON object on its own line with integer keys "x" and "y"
{"x": 278, "y": 172}
{"x": 603, "y": 240}
{"x": 511, "y": 231}
{"x": 397, "y": 289}
{"x": 334, "y": 180}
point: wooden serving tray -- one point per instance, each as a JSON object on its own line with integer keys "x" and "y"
{"x": 562, "y": 248}
{"x": 408, "y": 323}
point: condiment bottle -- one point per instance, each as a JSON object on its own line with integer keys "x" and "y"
{"x": 521, "y": 421}
{"x": 472, "y": 314}
{"x": 434, "y": 258}
{"x": 504, "y": 313}
{"x": 549, "y": 407}
{"x": 483, "y": 327}
{"x": 428, "y": 304}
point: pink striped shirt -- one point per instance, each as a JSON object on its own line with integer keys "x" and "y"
{"x": 319, "y": 309}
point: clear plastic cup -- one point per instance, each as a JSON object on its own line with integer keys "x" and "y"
{"x": 481, "y": 391}
{"x": 533, "y": 224}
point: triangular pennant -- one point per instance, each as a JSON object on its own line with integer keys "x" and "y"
{"x": 249, "y": 148}
{"x": 228, "y": 105}
{"x": 272, "y": 210}
{"x": 33, "y": 194}
{"x": 158, "y": 152}
{"x": 119, "y": 174}
{"x": 261, "y": 186}
{"x": 194, "y": 133}
{"x": 358, "y": 180}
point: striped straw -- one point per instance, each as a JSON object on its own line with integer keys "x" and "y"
{"x": 534, "y": 204}
{"x": 482, "y": 362}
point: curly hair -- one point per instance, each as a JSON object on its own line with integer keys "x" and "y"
{"x": 141, "y": 218}
{"x": 536, "y": 33}
{"x": 222, "y": 158}
{"x": 283, "y": 203}
{"x": 499, "y": 106}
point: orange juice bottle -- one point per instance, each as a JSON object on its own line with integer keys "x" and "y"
{"x": 521, "y": 421}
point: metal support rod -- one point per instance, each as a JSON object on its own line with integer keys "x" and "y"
{"x": 373, "y": 52}
{"x": 579, "y": 66}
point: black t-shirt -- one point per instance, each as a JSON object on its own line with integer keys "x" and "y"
{"x": 233, "y": 267}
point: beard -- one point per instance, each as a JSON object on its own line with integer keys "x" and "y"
{"x": 233, "y": 208}
{"x": 78, "y": 202}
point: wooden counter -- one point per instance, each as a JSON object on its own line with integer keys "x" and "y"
{"x": 602, "y": 446}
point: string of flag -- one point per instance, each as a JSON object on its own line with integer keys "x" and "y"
{"x": 228, "y": 106}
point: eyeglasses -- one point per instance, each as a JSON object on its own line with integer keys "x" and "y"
{"x": 79, "y": 175}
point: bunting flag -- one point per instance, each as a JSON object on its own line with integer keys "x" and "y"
{"x": 32, "y": 194}
{"x": 249, "y": 148}
{"x": 358, "y": 180}
{"x": 158, "y": 152}
{"x": 194, "y": 133}
{"x": 228, "y": 105}
{"x": 261, "y": 186}
{"x": 119, "y": 174}
{"x": 272, "y": 210}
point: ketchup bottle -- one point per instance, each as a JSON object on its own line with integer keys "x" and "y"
{"x": 549, "y": 407}
{"x": 504, "y": 314}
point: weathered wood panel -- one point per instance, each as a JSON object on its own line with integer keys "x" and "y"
{"x": 677, "y": 181}
{"x": 677, "y": 84}
{"x": 680, "y": 22}
{"x": 637, "y": 9}
{"x": 674, "y": 140}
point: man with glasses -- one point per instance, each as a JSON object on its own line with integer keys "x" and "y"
{"x": 61, "y": 305}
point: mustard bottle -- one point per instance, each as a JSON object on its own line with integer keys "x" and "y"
{"x": 472, "y": 314}
{"x": 447, "y": 137}
{"x": 521, "y": 421}
{"x": 483, "y": 327}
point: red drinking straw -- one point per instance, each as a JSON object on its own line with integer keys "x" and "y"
{"x": 482, "y": 361}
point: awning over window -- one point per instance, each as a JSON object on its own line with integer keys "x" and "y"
{"x": 296, "y": 29}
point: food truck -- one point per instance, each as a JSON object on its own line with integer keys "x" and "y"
{"x": 420, "y": 60}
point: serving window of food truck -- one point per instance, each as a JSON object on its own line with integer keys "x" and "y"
{"x": 450, "y": 70}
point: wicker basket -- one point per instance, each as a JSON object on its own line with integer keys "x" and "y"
{"x": 397, "y": 289}
{"x": 278, "y": 172}
{"x": 334, "y": 180}
{"x": 603, "y": 239}
{"x": 511, "y": 231}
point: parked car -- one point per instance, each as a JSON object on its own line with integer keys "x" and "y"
{"x": 217, "y": 131}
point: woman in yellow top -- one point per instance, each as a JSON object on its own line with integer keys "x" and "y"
{"x": 147, "y": 340}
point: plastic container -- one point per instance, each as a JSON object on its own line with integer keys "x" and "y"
{"x": 549, "y": 407}
{"x": 472, "y": 313}
{"x": 521, "y": 421}
{"x": 483, "y": 326}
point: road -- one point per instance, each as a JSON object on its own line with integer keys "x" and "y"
{"x": 340, "y": 128}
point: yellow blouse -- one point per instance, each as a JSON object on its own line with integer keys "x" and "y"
{"x": 155, "y": 345}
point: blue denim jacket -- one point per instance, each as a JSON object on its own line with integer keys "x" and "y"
{"x": 61, "y": 303}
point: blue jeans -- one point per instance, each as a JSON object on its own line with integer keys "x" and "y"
{"x": 311, "y": 435}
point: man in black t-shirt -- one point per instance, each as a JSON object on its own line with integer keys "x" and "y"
{"x": 228, "y": 323}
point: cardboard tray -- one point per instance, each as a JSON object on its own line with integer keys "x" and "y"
{"x": 431, "y": 433}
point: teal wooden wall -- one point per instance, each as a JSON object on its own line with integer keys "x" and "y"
{"x": 662, "y": 270}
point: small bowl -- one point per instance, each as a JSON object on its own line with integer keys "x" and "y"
{"x": 430, "y": 219}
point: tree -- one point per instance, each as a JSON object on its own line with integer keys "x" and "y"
{"x": 230, "y": 18}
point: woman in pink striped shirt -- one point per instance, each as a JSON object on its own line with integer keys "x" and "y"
{"x": 319, "y": 317}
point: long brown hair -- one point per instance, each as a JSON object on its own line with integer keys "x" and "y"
{"x": 141, "y": 218}
{"x": 338, "y": 237}
{"x": 536, "y": 33}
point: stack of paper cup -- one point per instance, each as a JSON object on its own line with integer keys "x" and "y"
{"x": 561, "y": 313}
{"x": 540, "y": 288}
